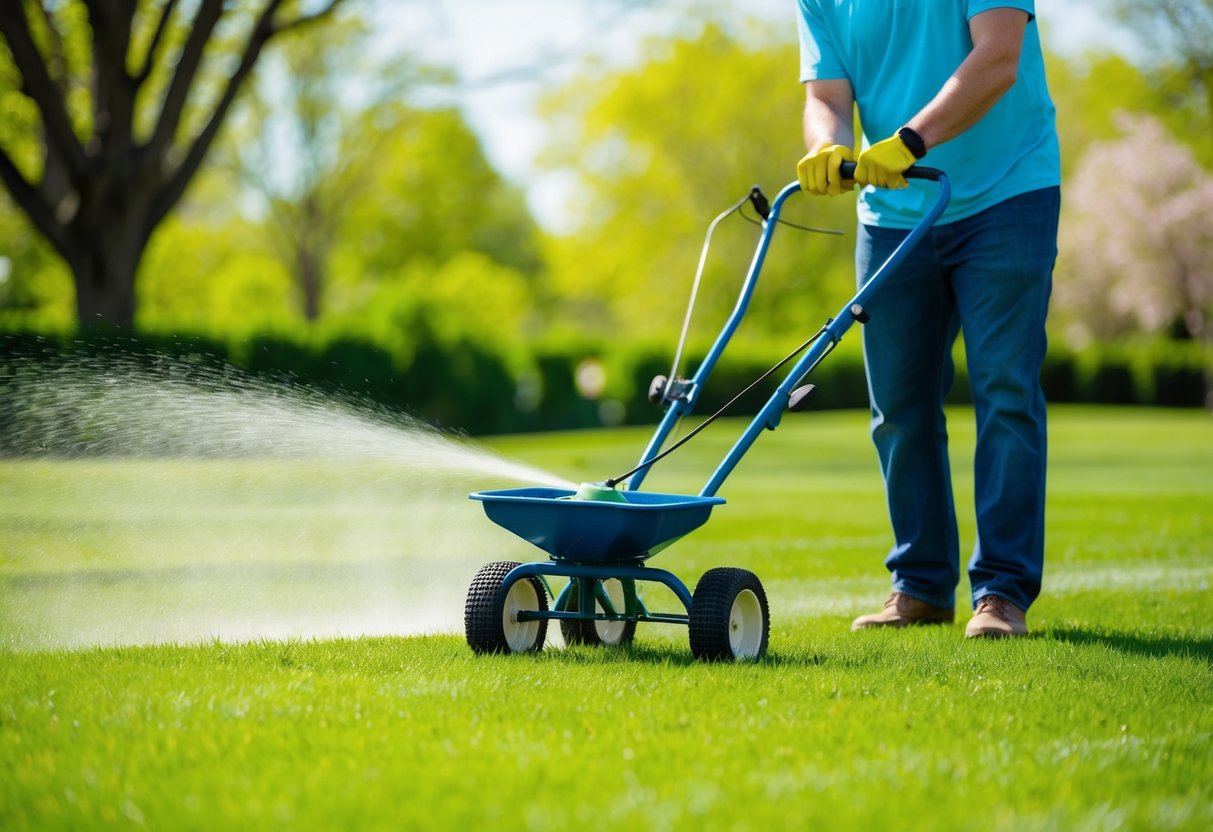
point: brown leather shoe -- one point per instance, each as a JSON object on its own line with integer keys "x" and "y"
{"x": 902, "y": 610}
{"x": 996, "y": 617}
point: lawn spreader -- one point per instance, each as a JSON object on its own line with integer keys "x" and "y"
{"x": 599, "y": 536}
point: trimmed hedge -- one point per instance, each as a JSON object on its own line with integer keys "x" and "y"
{"x": 468, "y": 387}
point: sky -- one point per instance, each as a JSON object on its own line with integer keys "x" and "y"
{"x": 507, "y": 53}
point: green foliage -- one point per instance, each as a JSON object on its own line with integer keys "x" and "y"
{"x": 228, "y": 284}
{"x": 1088, "y": 93}
{"x": 436, "y": 196}
{"x": 464, "y": 384}
{"x": 434, "y": 236}
{"x": 660, "y": 149}
{"x": 35, "y": 286}
{"x": 1154, "y": 372}
{"x": 18, "y": 119}
{"x": 467, "y": 297}
{"x": 1178, "y": 36}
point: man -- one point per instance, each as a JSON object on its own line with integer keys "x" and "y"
{"x": 961, "y": 83}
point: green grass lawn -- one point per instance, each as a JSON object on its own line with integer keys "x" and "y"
{"x": 213, "y": 644}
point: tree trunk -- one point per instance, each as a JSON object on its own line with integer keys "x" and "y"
{"x": 311, "y": 282}
{"x": 103, "y": 264}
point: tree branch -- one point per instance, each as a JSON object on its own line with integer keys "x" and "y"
{"x": 113, "y": 96}
{"x": 264, "y": 29}
{"x": 209, "y": 12}
{"x": 166, "y": 12}
{"x": 30, "y": 201}
{"x": 40, "y": 86}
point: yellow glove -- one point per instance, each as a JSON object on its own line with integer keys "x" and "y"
{"x": 818, "y": 171}
{"x": 883, "y": 163}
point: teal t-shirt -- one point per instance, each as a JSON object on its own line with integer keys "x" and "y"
{"x": 897, "y": 54}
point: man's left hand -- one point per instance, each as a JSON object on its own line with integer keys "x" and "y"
{"x": 883, "y": 163}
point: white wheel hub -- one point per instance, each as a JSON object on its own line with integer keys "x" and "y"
{"x": 745, "y": 625}
{"x": 520, "y": 635}
{"x": 611, "y": 632}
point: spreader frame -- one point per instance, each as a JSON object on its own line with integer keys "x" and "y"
{"x": 589, "y": 542}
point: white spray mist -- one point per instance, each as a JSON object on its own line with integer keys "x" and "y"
{"x": 173, "y": 504}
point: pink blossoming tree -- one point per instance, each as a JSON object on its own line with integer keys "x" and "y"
{"x": 1137, "y": 238}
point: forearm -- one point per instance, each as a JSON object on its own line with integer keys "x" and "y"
{"x": 964, "y": 99}
{"x": 980, "y": 81}
{"x": 828, "y": 114}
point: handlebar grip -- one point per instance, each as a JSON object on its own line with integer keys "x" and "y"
{"x": 847, "y": 169}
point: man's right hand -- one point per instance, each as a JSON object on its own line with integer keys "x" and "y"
{"x": 818, "y": 171}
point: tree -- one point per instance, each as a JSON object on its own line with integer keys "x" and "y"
{"x": 437, "y": 194}
{"x": 1137, "y": 253}
{"x": 127, "y": 99}
{"x": 307, "y": 142}
{"x": 357, "y": 182}
{"x": 441, "y": 243}
{"x": 1184, "y": 30}
{"x": 1178, "y": 40}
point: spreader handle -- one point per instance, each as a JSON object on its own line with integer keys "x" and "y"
{"x": 847, "y": 170}
{"x": 835, "y": 327}
{"x": 768, "y": 417}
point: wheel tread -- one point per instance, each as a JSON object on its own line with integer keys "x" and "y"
{"x": 711, "y": 607}
{"x": 485, "y": 601}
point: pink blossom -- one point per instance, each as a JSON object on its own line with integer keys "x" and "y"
{"x": 1136, "y": 247}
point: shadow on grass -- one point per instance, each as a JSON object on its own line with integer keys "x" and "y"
{"x": 1139, "y": 644}
{"x": 673, "y": 655}
{"x": 1133, "y": 643}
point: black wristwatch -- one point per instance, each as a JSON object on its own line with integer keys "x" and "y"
{"x": 913, "y": 142}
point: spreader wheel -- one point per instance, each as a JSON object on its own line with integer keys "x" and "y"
{"x": 729, "y": 616}
{"x": 608, "y": 633}
{"x": 490, "y": 617}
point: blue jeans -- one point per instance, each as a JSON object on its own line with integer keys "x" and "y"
{"x": 989, "y": 275}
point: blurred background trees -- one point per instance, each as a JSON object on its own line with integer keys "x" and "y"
{"x": 338, "y": 193}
